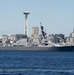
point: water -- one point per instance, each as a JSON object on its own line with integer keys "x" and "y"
{"x": 36, "y": 63}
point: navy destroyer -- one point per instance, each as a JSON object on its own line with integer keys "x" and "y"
{"x": 23, "y": 42}
{"x": 37, "y": 44}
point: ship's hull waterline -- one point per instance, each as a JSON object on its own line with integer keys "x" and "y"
{"x": 61, "y": 48}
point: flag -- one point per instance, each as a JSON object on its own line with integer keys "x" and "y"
{"x": 44, "y": 34}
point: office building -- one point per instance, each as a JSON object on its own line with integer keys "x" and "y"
{"x": 35, "y": 31}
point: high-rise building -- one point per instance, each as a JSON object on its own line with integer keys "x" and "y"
{"x": 35, "y": 31}
{"x": 72, "y": 34}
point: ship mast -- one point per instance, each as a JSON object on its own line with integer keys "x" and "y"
{"x": 43, "y": 33}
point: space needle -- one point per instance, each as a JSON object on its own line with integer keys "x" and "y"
{"x": 26, "y": 13}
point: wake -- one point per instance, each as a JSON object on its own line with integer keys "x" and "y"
{"x": 34, "y": 69}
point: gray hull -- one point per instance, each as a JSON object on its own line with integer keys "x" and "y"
{"x": 63, "y": 48}
{"x": 25, "y": 48}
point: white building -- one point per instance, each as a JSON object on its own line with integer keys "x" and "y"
{"x": 4, "y": 38}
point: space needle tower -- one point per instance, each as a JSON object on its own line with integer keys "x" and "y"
{"x": 26, "y": 13}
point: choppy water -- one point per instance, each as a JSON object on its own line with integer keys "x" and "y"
{"x": 36, "y": 63}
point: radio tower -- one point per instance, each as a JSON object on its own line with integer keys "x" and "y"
{"x": 26, "y": 13}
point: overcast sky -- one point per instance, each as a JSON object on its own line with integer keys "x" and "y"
{"x": 57, "y": 16}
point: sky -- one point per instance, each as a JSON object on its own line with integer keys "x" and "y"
{"x": 57, "y": 16}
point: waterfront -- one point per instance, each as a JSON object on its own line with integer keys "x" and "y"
{"x": 36, "y": 63}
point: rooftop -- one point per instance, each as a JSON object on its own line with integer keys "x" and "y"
{"x": 26, "y": 12}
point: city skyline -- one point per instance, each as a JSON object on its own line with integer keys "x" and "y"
{"x": 56, "y": 16}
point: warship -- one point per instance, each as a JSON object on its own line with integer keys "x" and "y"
{"x": 40, "y": 45}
